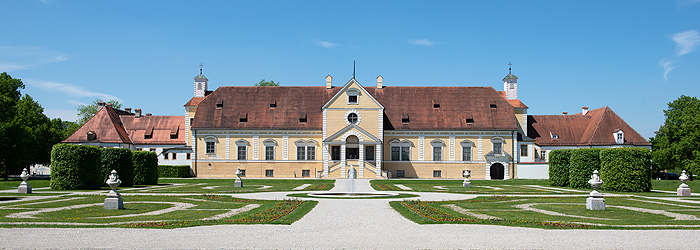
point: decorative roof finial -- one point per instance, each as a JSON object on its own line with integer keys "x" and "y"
{"x": 200, "y": 68}
{"x": 509, "y": 64}
{"x": 353, "y": 69}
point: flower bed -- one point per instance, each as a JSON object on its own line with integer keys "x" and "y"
{"x": 385, "y": 187}
{"x": 281, "y": 209}
{"x": 316, "y": 187}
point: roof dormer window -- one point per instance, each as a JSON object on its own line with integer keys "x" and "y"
{"x": 91, "y": 136}
{"x": 243, "y": 118}
{"x": 493, "y": 105}
{"x": 220, "y": 104}
{"x": 352, "y": 96}
{"x": 554, "y": 136}
{"x": 405, "y": 119}
{"x": 436, "y": 104}
{"x": 302, "y": 118}
{"x": 619, "y": 136}
{"x": 273, "y": 105}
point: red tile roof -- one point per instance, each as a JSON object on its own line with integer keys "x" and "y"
{"x": 194, "y": 101}
{"x": 456, "y": 104}
{"x": 117, "y": 126}
{"x": 596, "y": 128}
{"x": 516, "y": 103}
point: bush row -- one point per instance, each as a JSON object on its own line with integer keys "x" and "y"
{"x": 178, "y": 171}
{"x": 88, "y": 167}
{"x": 621, "y": 169}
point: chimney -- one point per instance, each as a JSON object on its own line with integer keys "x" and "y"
{"x": 584, "y": 110}
{"x": 564, "y": 113}
{"x": 138, "y": 112}
{"x": 149, "y": 114}
{"x": 127, "y": 110}
{"x": 100, "y": 104}
{"x": 329, "y": 80}
{"x": 380, "y": 81}
{"x": 108, "y": 105}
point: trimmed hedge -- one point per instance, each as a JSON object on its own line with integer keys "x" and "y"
{"x": 626, "y": 169}
{"x": 118, "y": 159}
{"x": 178, "y": 171}
{"x": 75, "y": 167}
{"x": 559, "y": 167}
{"x": 145, "y": 168}
{"x": 582, "y": 162}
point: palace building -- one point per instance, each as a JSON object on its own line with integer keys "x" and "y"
{"x": 380, "y": 131}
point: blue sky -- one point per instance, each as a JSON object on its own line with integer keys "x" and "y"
{"x": 633, "y": 56}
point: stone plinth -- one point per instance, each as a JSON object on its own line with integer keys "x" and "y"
{"x": 595, "y": 203}
{"x": 683, "y": 190}
{"x": 467, "y": 184}
{"x": 114, "y": 203}
{"x": 25, "y": 188}
{"x": 238, "y": 183}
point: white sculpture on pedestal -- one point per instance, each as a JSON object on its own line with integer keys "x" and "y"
{"x": 24, "y": 187}
{"x": 683, "y": 189}
{"x": 595, "y": 199}
{"x": 114, "y": 199}
{"x": 238, "y": 182}
{"x": 467, "y": 174}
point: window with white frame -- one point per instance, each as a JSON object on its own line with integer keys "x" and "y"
{"x": 369, "y": 153}
{"x": 353, "y": 96}
{"x": 306, "y": 150}
{"x": 210, "y": 145}
{"x": 467, "y": 150}
{"x": 619, "y": 137}
{"x": 400, "y": 150}
{"x": 242, "y": 152}
{"x": 543, "y": 156}
{"x": 269, "y": 149}
{"x": 437, "y": 149}
{"x": 437, "y": 173}
{"x": 523, "y": 150}
{"x": 497, "y": 145}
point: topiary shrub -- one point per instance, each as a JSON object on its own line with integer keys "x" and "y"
{"x": 582, "y": 162}
{"x": 75, "y": 167}
{"x": 145, "y": 168}
{"x": 178, "y": 171}
{"x": 626, "y": 169}
{"x": 559, "y": 167}
{"x": 118, "y": 159}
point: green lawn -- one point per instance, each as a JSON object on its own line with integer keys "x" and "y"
{"x": 512, "y": 186}
{"x": 13, "y": 183}
{"x": 569, "y": 212}
{"x": 672, "y": 185}
{"x": 194, "y": 185}
{"x": 150, "y": 211}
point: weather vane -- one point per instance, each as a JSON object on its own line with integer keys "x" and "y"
{"x": 200, "y": 68}
{"x": 509, "y": 64}
{"x": 353, "y": 69}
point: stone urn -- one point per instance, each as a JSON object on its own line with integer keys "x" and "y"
{"x": 595, "y": 199}
{"x": 114, "y": 200}
{"x": 24, "y": 187}
{"x": 683, "y": 189}
{"x": 467, "y": 174}
{"x": 238, "y": 182}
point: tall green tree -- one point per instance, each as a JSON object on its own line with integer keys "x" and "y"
{"x": 26, "y": 134}
{"x": 676, "y": 145}
{"x": 85, "y": 112}
{"x": 267, "y": 83}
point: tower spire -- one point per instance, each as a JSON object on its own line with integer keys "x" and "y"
{"x": 200, "y": 68}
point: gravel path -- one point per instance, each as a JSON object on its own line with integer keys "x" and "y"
{"x": 350, "y": 224}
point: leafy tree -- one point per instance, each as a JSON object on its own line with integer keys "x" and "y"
{"x": 26, "y": 134}
{"x": 676, "y": 145}
{"x": 85, "y": 112}
{"x": 67, "y": 128}
{"x": 267, "y": 83}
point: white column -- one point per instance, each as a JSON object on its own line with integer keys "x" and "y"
{"x": 256, "y": 140}
{"x": 326, "y": 160}
{"x": 480, "y": 150}
{"x": 361, "y": 161}
{"x": 285, "y": 147}
{"x": 342, "y": 160}
{"x": 452, "y": 147}
{"x": 228, "y": 146}
{"x": 378, "y": 157}
{"x": 421, "y": 142}
{"x": 187, "y": 128}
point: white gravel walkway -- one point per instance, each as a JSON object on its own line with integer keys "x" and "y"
{"x": 348, "y": 224}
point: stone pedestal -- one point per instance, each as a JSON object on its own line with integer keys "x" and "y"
{"x": 595, "y": 203}
{"x": 467, "y": 183}
{"x": 25, "y": 188}
{"x": 114, "y": 202}
{"x": 238, "y": 183}
{"x": 683, "y": 190}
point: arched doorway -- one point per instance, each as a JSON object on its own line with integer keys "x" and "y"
{"x": 497, "y": 171}
{"x": 352, "y": 148}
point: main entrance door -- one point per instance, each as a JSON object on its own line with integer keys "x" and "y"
{"x": 497, "y": 171}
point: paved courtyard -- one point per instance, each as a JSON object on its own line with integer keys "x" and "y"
{"x": 351, "y": 224}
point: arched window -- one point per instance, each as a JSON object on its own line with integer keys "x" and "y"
{"x": 352, "y": 147}
{"x": 352, "y": 118}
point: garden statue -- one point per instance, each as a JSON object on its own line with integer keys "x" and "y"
{"x": 24, "y": 187}
{"x": 467, "y": 174}
{"x": 683, "y": 189}
{"x": 114, "y": 199}
{"x": 595, "y": 200}
{"x": 238, "y": 182}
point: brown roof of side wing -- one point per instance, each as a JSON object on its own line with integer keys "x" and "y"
{"x": 596, "y": 128}
{"x": 252, "y": 104}
{"x": 159, "y": 127}
{"x": 106, "y": 125}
